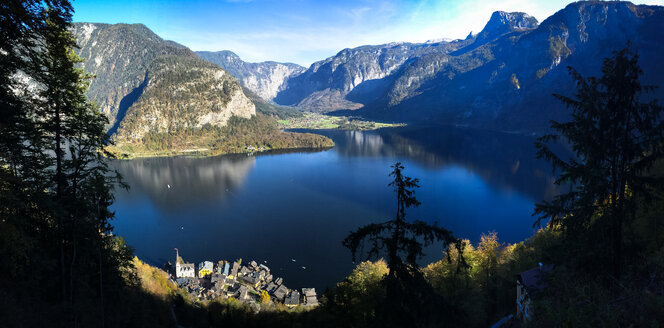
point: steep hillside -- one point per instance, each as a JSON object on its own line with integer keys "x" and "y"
{"x": 158, "y": 85}
{"x": 183, "y": 93}
{"x": 354, "y": 77}
{"x": 386, "y": 74}
{"x": 359, "y": 76}
{"x": 119, "y": 56}
{"x": 162, "y": 99}
{"x": 501, "y": 78}
{"x": 507, "y": 83}
{"x": 265, "y": 79}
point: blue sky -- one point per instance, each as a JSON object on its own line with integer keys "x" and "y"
{"x": 304, "y": 31}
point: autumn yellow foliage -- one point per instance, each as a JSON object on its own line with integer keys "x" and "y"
{"x": 153, "y": 280}
{"x": 265, "y": 297}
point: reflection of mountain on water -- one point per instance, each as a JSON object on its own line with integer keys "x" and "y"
{"x": 180, "y": 181}
{"x": 507, "y": 161}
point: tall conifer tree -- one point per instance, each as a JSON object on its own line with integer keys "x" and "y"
{"x": 616, "y": 139}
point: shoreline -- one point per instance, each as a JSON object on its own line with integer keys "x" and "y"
{"x": 213, "y": 153}
{"x": 251, "y": 283}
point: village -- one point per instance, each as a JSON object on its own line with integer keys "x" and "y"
{"x": 252, "y": 283}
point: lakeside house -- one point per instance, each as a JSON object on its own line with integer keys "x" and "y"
{"x": 280, "y": 293}
{"x": 310, "y": 298}
{"x": 271, "y": 287}
{"x": 205, "y": 269}
{"x": 252, "y": 279}
{"x": 185, "y": 270}
{"x": 293, "y": 299}
{"x": 236, "y": 266}
{"x": 226, "y": 268}
{"x": 528, "y": 283}
{"x": 242, "y": 292}
{"x": 216, "y": 277}
{"x": 219, "y": 267}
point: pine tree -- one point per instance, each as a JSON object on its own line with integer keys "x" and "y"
{"x": 22, "y": 160}
{"x": 615, "y": 138}
{"x": 409, "y": 298}
{"x": 56, "y": 185}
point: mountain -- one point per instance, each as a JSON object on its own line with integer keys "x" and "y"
{"x": 500, "y": 78}
{"x": 502, "y": 22}
{"x": 354, "y": 77}
{"x": 182, "y": 92}
{"x": 144, "y": 83}
{"x": 162, "y": 98}
{"x": 265, "y": 79}
{"x": 507, "y": 82}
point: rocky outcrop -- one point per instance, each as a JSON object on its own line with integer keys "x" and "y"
{"x": 265, "y": 79}
{"x": 119, "y": 56}
{"x": 502, "y": 22}
{"x": 353, "y": 77}
{"x": 183, "y": 93}
{"x": 501, "y": 78}
{"x": 388, "y": 74}
{"x": 356, "y": 77}
{"x": 507, "y": 82}
{"x": 144, "y": 83}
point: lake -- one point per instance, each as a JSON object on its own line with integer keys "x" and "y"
{"x": 293, "y": 209}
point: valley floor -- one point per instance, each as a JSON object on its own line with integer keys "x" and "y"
{"x": 316, "y": 121}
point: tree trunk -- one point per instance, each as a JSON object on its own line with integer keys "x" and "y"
{"x": 101, "y": 286}
{"x": 59, "y": 185}
{"x": 617, "y": 237}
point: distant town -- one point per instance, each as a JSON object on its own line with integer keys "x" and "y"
{"x": 252, "y": 283}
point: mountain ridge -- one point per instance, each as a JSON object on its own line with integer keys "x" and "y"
{"x": 512, "y": 89}
{"x": 264, "y": 78}
{"x": 162, "y": 99}
{"x": 500, "y": 78}
{"x": 146, "y": 75}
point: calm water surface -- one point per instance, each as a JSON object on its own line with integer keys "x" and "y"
{"x": 294, "y": 209}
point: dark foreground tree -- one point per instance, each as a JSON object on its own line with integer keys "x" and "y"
{"x": 409, "y": 300}
{"x": 60, "y": 259}
{"x": 616, "y": 139}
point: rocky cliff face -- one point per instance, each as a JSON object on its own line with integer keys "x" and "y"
{"x": 265, "y": 79}
{"x": 144, "y": 83}
{"x": 416, "y": 74}
{"x": 119, "y": 56}
{"x": 184, "y": 93}
{"x": 507, "y": 83}
{"x": 368, "y": 74}
{"x": 501, "y": 78}
{"x": 353, "y": 77}
{"x": 502, "y": 22}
